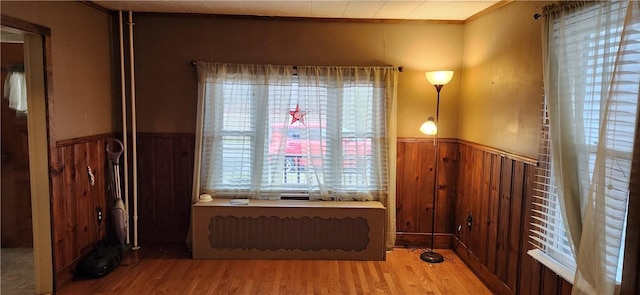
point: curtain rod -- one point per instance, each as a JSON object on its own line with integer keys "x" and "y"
{"x": 195, "y": 63}
{"x": 559, "y": 6}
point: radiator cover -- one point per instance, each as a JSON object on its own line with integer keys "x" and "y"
{"x": 288, "y": 230}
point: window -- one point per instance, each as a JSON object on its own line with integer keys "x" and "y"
{"x": 591, "y": 57}
{"x": 275, "y": 133}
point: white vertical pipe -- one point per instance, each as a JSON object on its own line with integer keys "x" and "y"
{"x": 134, "y": 136}
{"x": 124, "y": 126}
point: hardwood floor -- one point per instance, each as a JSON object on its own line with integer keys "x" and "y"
{"x": 172, "y": 271}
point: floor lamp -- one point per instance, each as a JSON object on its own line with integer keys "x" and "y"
{"x": 438, "y": 79}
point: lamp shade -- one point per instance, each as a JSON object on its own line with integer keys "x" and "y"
{"x": 429, "y": 127}
{"x": 439, "y": 77}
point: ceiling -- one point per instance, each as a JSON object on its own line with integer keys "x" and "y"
{"x": 405, "y": 10}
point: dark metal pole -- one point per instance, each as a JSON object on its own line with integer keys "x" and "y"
{"x": 430, "y": 256}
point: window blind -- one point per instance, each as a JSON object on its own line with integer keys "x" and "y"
{"x": 547, "y": 227}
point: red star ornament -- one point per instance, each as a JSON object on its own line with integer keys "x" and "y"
{"x": 297, "y": 115}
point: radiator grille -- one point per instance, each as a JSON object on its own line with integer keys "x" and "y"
{"x": 288, "y": 233}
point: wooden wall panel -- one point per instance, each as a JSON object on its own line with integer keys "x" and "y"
{"x": 165, "y": 177}
{"x": 415, "y": 190}
{"x": 515, "y": 224}
{"x": 482, "y": 221}
{"x": 497, "y": 190}
{"x": 534, "y": 284}
{"x": 74, "y": 201}
{"x": 527, "y": 263}
{"x": 467, "y": 207}
{"x": 409, "y": 166}
{"x": 494, "y": 193}
{"x": 63, "y": 228}
{"x": 83, "y": 202}
{"x": 504, "y": 206}
{"x": 424, "y": 181}
{"x": 549, "y": 282}
{"x": 461, "y": 199}
{"x": 447, "y": 173}
{"x": 183, "y": 153}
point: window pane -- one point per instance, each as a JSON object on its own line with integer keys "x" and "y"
{"x": 236, "y": 161}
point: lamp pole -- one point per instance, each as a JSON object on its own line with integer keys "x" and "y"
{"x": 430, "y": 256}
{"x": 438, "y": 79}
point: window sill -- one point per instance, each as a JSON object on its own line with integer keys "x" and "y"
{"x": 293, "y": 204}
{"x": 565, "y": 272}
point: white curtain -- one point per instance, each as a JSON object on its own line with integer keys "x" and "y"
{"x": 350, "y": 103}
{"x": 592, "y": 75}
{"x": 322, "y": 133}
{"x": 235, "y": 114}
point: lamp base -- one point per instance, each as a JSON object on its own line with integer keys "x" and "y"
{"x": 431, "y": 257}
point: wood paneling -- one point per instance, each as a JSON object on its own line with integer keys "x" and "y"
{"x": 75, "y": 201}
{"x": 165, "y": 177}
{"x": 527, "y": 272}
{"x": 414, "y": 192}
{"x": 165, "y": 168}
{"x": 495, "y": 189}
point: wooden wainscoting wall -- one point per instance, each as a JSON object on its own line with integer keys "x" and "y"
{"x": 492, "y": 186}
{"x": 165, "y": 177}
{"x": 414, "y": 192}
{"x": 165, "y": 168}
{"x": 495, "y": 189}
{"x": 74, "y": 200}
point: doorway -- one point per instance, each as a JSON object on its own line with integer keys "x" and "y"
{"x": 15, "y": 190}
{"x": 37, "y": 70}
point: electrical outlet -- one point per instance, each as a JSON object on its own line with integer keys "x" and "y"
{"x": 99, "y": 214}
{"x": 469, "y": 221}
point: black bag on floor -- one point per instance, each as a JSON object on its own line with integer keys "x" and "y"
{"x": 103, "y": 259}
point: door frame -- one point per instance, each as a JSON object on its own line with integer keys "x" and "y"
{"x": 37, "y": 57}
